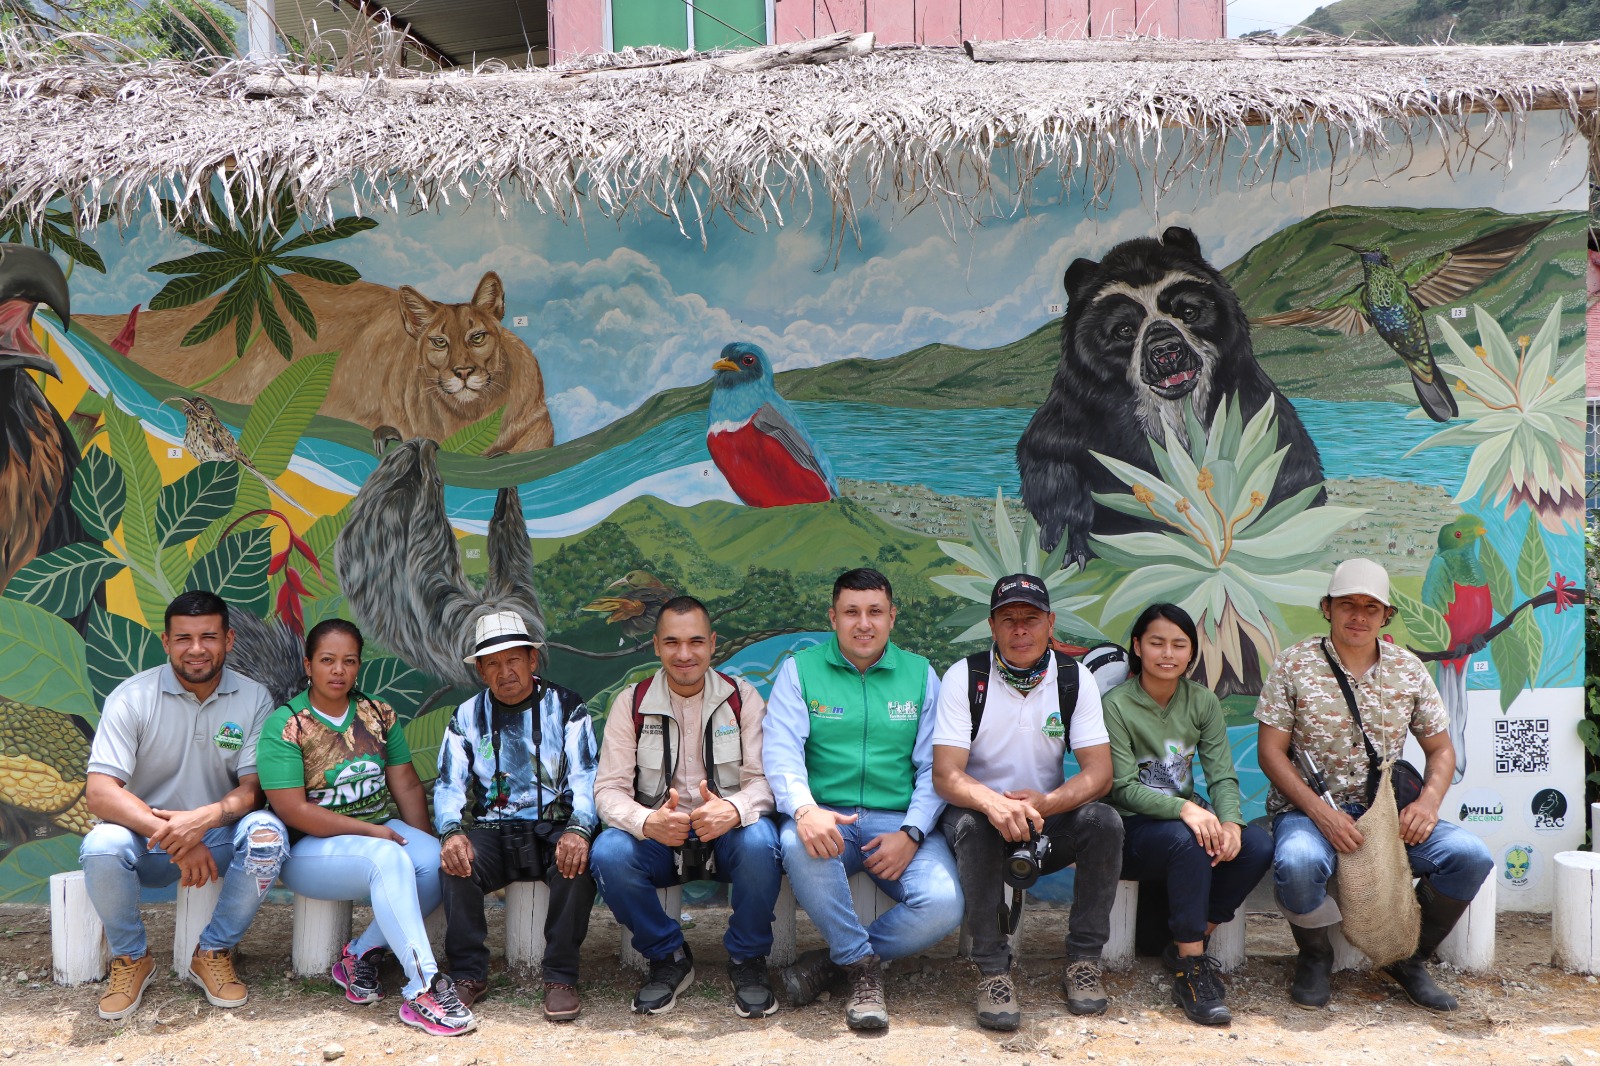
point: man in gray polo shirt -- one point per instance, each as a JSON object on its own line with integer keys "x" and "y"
{"x": 172, "y": 778}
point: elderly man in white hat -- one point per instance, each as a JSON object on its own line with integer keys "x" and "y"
{"x": 522, "y": 754}
{"x": 1322, "y": 695}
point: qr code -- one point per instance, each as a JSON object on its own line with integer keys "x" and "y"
{"x": 1522, "y": 746}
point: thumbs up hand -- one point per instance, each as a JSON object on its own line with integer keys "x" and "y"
{"x": 715, "y": 815}
{"x": 668, "y": 825}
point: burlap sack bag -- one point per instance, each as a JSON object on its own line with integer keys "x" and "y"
{"x": 1381, "y": 916}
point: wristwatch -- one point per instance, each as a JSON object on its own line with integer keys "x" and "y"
{"x": 914, "y": 833}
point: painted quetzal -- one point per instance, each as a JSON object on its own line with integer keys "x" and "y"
{"x": 757, "y": 440}
{"x": 1457, "y": 587}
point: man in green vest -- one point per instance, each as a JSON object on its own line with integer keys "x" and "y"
{"x": 849, "y": 758}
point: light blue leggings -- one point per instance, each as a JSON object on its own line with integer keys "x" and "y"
{"x": 401, "y": 883}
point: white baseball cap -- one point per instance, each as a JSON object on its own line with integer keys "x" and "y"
{"x": 499, "y": 631}
{"x": 1360, "y": 577}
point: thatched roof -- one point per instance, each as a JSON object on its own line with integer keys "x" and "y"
{"x": 757, "y": 134}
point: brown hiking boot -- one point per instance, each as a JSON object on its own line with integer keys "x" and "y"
{"x": 470, "y": 991}
{"x": 866, "y": 1009}
{"x": 126, "y": 985}
{"x": 560, "y": 1002}
{"x": 213, "y": 971}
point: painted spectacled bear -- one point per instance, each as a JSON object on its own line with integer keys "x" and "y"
{"x": 1147, "y": 329}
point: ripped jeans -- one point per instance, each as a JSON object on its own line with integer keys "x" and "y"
{"x": 117, "y": 861}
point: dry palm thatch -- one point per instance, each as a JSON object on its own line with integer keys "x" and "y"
{"x": 757, "y": 134}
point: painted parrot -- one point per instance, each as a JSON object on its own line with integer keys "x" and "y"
{"x": 637, "y": 606}
{"x": 1391, "y": 299}
{"x": 1457, "y": 587}
{"x": 757, "y": 440}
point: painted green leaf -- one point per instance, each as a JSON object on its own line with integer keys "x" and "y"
{"x": 99, "y": 493}
{"x": 1533, "y": 562}
{"x": 1501, "y": 592}
{"x": 42, "y": 661}
{"x": 25, "y": 873}
{"x": 236, "y": 570}
{"x": 118, "y": 648}
{"x": 194, "y": 501}
{"x": 176, "y": 563}
{"x": 1511, "y": 663}
{"x": 1425, "y": 625}
{"x": 62, "y": 581}
{"x": 476, "y": 438}
{"x": 131, "y": 449}
{"x": 424, "y": 734}
{"x": 1528, "y": 632}
{"x": 283, "y": 411}
{"x": 395, "y": 683}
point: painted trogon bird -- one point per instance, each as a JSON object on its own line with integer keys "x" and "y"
{"x": 757, "y": 440}
{"x": 36, "y": 515}
{"x": 1457, "y": 587}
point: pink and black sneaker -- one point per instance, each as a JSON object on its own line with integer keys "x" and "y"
{"x": 438, "y": 1011}
{"x": 358, "y": 975}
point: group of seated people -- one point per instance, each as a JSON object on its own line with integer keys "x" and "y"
{"x": 863, "y": 759}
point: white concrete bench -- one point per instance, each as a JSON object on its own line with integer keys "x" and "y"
{"x": 78, "y": 948}
{"x": 1227, "y": 940}
{"x": 1575, "y": 913}
{"x": 783, "y": 927}
{"x": 1469, "y": 947}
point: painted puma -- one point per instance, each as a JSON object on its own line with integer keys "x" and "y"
{"x": 424, "y": 367}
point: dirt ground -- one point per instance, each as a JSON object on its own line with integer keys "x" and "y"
{"x": 1525, "y": 1012}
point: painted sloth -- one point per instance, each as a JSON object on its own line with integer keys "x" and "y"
{"x": 401, "y": 571}
{"x": 1150, "y": 328}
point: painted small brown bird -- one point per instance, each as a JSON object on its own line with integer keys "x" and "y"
{"x": 40, "y": 453}
{"x": 637, "y": 606}
{"x": 209, "y": 441}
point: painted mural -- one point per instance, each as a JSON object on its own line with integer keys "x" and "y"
{"x": 410, "y": 420}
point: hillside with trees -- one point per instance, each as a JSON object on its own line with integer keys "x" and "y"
{"x": 1460, "y": 21}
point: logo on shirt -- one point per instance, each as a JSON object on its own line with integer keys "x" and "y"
{"x": 652, "y": 729}
{"x": 230, "y": 737}
{"x": 819, "y": 710}
{"x": 724, "y": 731}
{"x": 1052, "y": 726}
{"x": 485, "y": 749}
{"x": 353, "y": 784}
{"x": 905, "y": 711}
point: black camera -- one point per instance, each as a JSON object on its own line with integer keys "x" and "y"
{"x": 696, "y": 860}
{"x": 1026, "y": 862}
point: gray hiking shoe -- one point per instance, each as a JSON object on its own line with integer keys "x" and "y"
{"x": 811, "y": 974}
{"x": 866, "y": 1009}
{"x": 997, "y": 1003}
{"x": 1081, "y": 986}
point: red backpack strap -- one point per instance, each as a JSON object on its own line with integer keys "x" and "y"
{"x": 736, "y": 700}
{"x": 638, "y": 700}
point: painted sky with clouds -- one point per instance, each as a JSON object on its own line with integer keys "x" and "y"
{"x": 618, "y": 313}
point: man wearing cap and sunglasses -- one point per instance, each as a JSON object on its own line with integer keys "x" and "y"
{"x": 1323, "y": 694}
{"x": 1007, "y": 718}
{"x": 523, "y": 753}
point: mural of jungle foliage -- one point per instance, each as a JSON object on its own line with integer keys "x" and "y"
{"x": 304, "y": 418}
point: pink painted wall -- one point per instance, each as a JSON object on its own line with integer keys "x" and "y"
{"x": 577, "y": 27}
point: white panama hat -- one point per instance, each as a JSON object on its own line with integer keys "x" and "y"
{"x": 499, "y": 631}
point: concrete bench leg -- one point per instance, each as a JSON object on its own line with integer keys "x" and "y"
{"x": 1470, "y": 945}
{"x": 964, "y": 948}
{"x": 321, "y": 930}
{"x": 1118, "y": 954}
{"x": 783, "y": 928}
{"x": 1575, "y": 914}
{"x": 672, "y": 902}
{"x": 527, "y": 906}
{"x": 869, "y": 900}
{"x": 1227, "y": 943}
{"x": 193, "y": 915}
{"x": 78, "y": 949}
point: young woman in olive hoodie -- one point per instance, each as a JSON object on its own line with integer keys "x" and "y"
{"x": 1158, "y": 721}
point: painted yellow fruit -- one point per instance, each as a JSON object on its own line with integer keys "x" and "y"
{"x": 42, "y": 759}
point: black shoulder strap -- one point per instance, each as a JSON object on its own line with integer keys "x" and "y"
{"x": 977, "y": 687}
{"x": 1066, "y": 693}
{"x": 1350, "y": 701}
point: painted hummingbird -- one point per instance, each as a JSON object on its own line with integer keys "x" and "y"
{"x": 1391, "y": 299}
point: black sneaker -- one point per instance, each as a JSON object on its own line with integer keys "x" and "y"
{"x": 812, "y": 974}
{"x": 667, "y": 979}
{"x": 1197, "y": 988}
{"x": 752, "y": 989}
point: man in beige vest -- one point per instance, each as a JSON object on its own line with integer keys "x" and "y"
{"x": 681, "y": 788}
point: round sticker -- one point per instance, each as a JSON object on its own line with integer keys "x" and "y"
{"x": 1516, "y": 865}
{"x": 1547, "y": 812}
{"x": 1480, "y": 810}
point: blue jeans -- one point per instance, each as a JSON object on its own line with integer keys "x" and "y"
{"x": 928, "y": 893}
{"x": 748, "y": 860}
{"x": 1164, "y": 849}
{"x": 401, "y": 882}
{"x": 1303, "y": 860}
{"x": 116, "y": 861}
